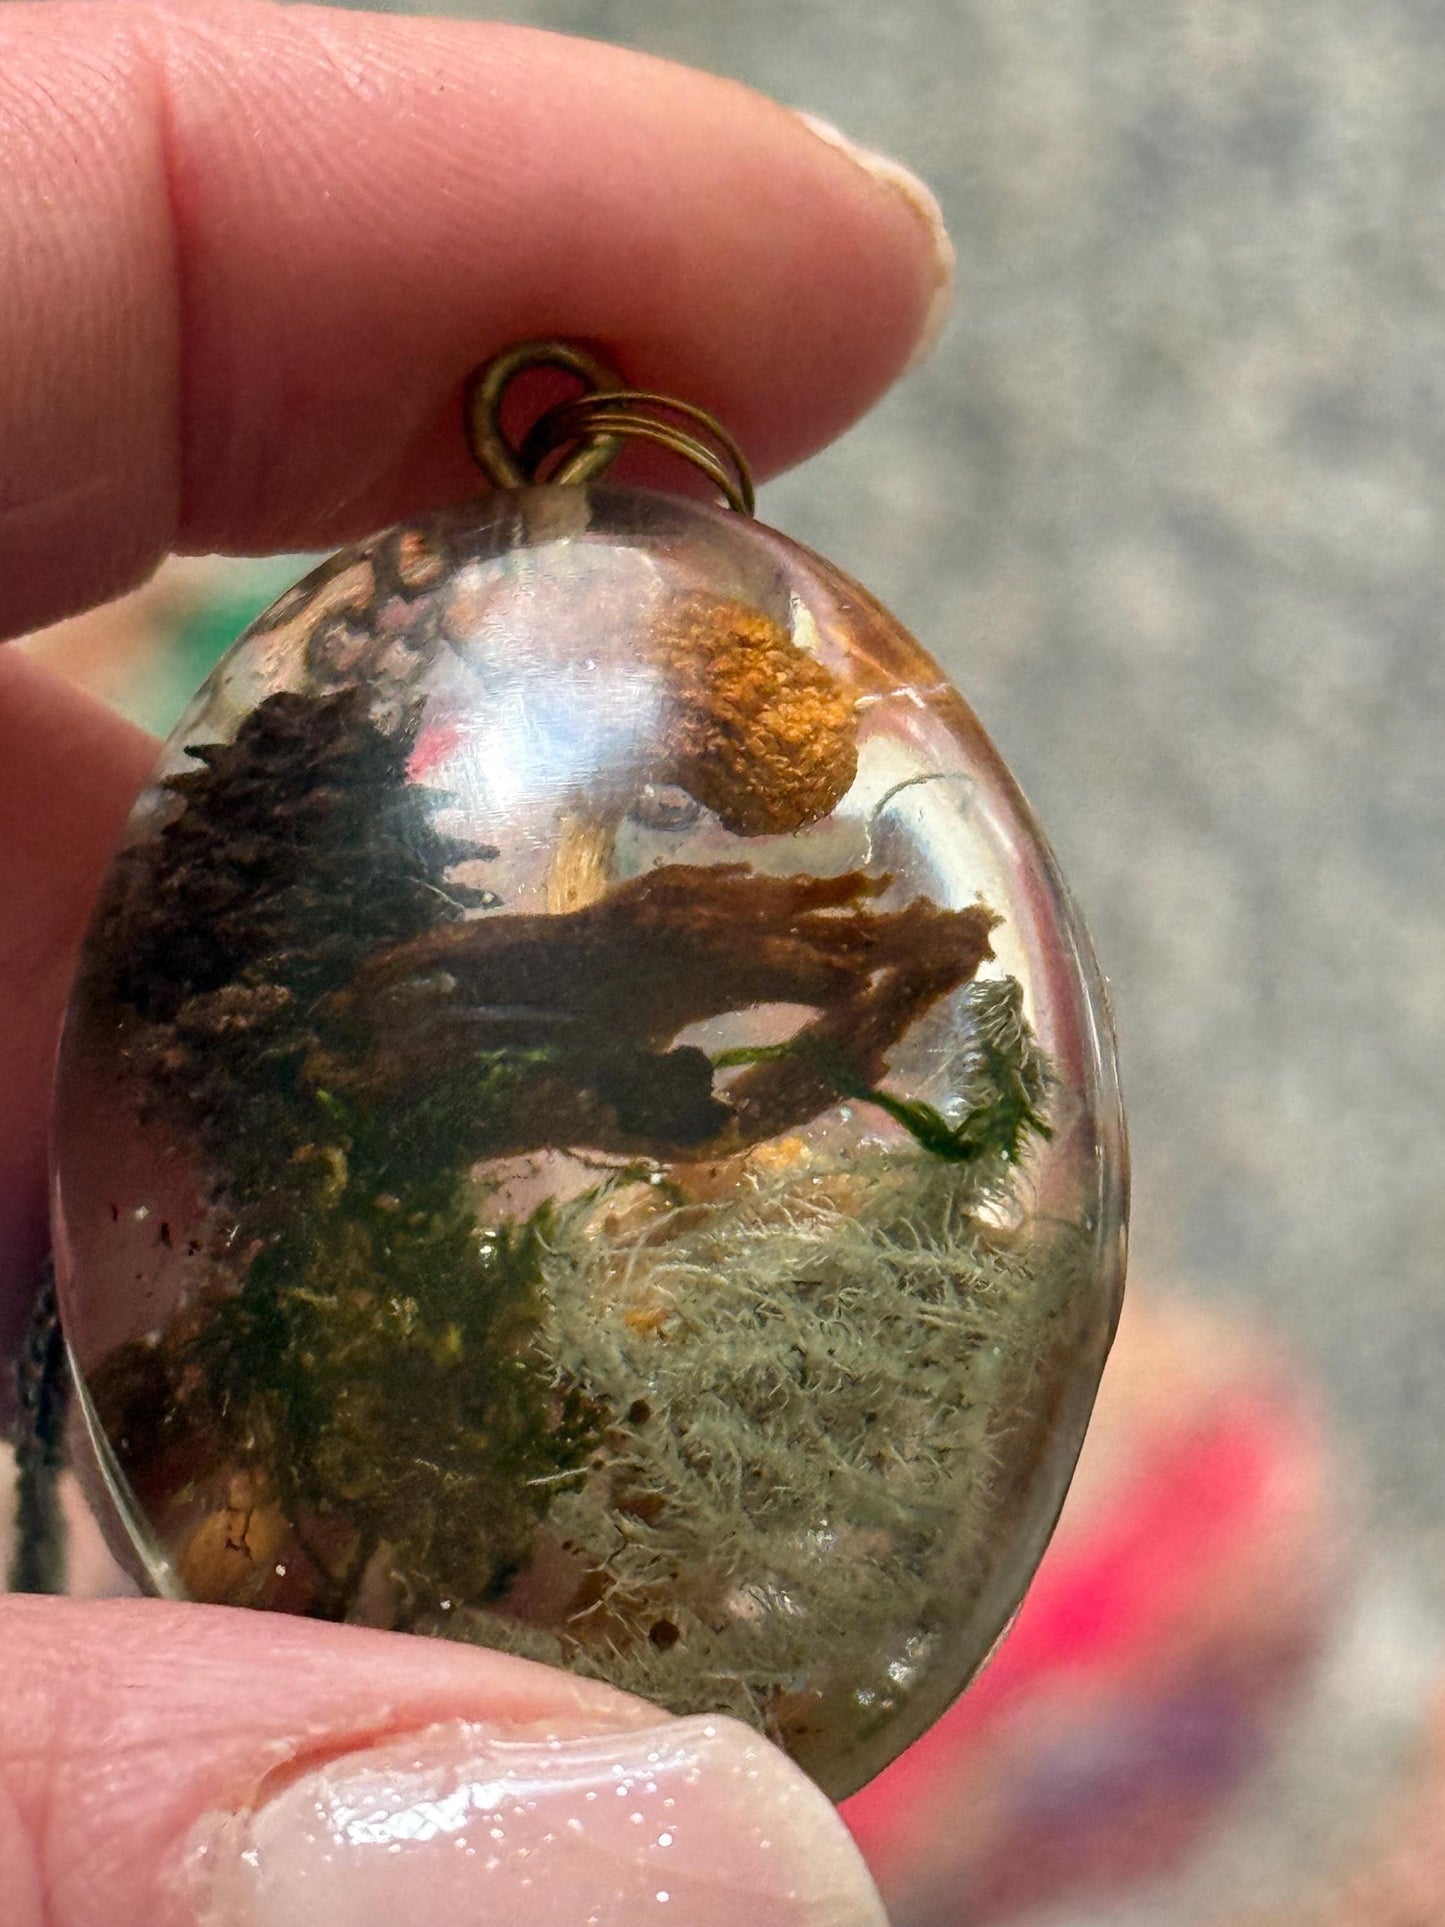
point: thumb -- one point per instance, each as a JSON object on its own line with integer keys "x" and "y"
{"x": 195, "y": 1766}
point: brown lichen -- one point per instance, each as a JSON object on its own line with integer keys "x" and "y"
{"x": 587, "y": 1006}
{"x": 759, "y": 731}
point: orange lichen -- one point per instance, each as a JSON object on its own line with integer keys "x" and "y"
{"x": 759, "y": 731}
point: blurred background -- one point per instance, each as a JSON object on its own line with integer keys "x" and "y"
{"x": 1167, "y": 504}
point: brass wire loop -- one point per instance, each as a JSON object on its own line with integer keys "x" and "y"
{"x": 593, "y": 428}
{"x": 498, "y": 460}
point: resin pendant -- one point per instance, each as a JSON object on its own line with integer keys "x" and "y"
{"x": 587, "y": 1125}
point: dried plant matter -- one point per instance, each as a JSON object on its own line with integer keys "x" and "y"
{"x": 807, "y": 1385}
{"x": 759, "y": 731}
{"x": 297, "y": 847}
{"x": 591, "y": 999}
{"x": 294, "y": 848}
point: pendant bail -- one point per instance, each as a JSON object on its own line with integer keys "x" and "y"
{"x": 590, "y": 430}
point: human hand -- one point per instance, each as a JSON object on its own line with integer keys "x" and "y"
{"x": 247, "y": 259}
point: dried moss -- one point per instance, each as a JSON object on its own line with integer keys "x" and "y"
{"x": 806, "y": 1386}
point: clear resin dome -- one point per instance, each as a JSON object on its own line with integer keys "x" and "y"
{"x": 586, "y": 1125}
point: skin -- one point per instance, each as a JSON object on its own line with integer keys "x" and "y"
{"x": 247, "y": 259}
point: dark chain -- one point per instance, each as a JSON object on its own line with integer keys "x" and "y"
{"x": 44, "y": 1388}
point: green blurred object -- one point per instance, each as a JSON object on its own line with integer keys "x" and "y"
{"x": 200, "y": 633}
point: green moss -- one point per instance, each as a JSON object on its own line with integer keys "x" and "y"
{"x": 1002, "y": 1081}
{"x": 387, "y": 1382}
{"x": 373, "y": 1372}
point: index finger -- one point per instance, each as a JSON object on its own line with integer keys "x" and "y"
{"x": 251, "y": 253}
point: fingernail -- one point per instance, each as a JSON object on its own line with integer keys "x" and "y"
{"x": 921, "y": 199}
{"x": 689, "y": 1823}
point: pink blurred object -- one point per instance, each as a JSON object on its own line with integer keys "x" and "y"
{"x": 1170, "y": 1628}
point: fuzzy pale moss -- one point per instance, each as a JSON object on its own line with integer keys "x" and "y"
{"x": 813, "y": 1383}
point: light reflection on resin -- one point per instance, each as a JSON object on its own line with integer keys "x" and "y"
{"x": 586, "y": 1126}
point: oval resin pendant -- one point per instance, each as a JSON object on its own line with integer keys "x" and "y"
{"x": 587, "y": 1125}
